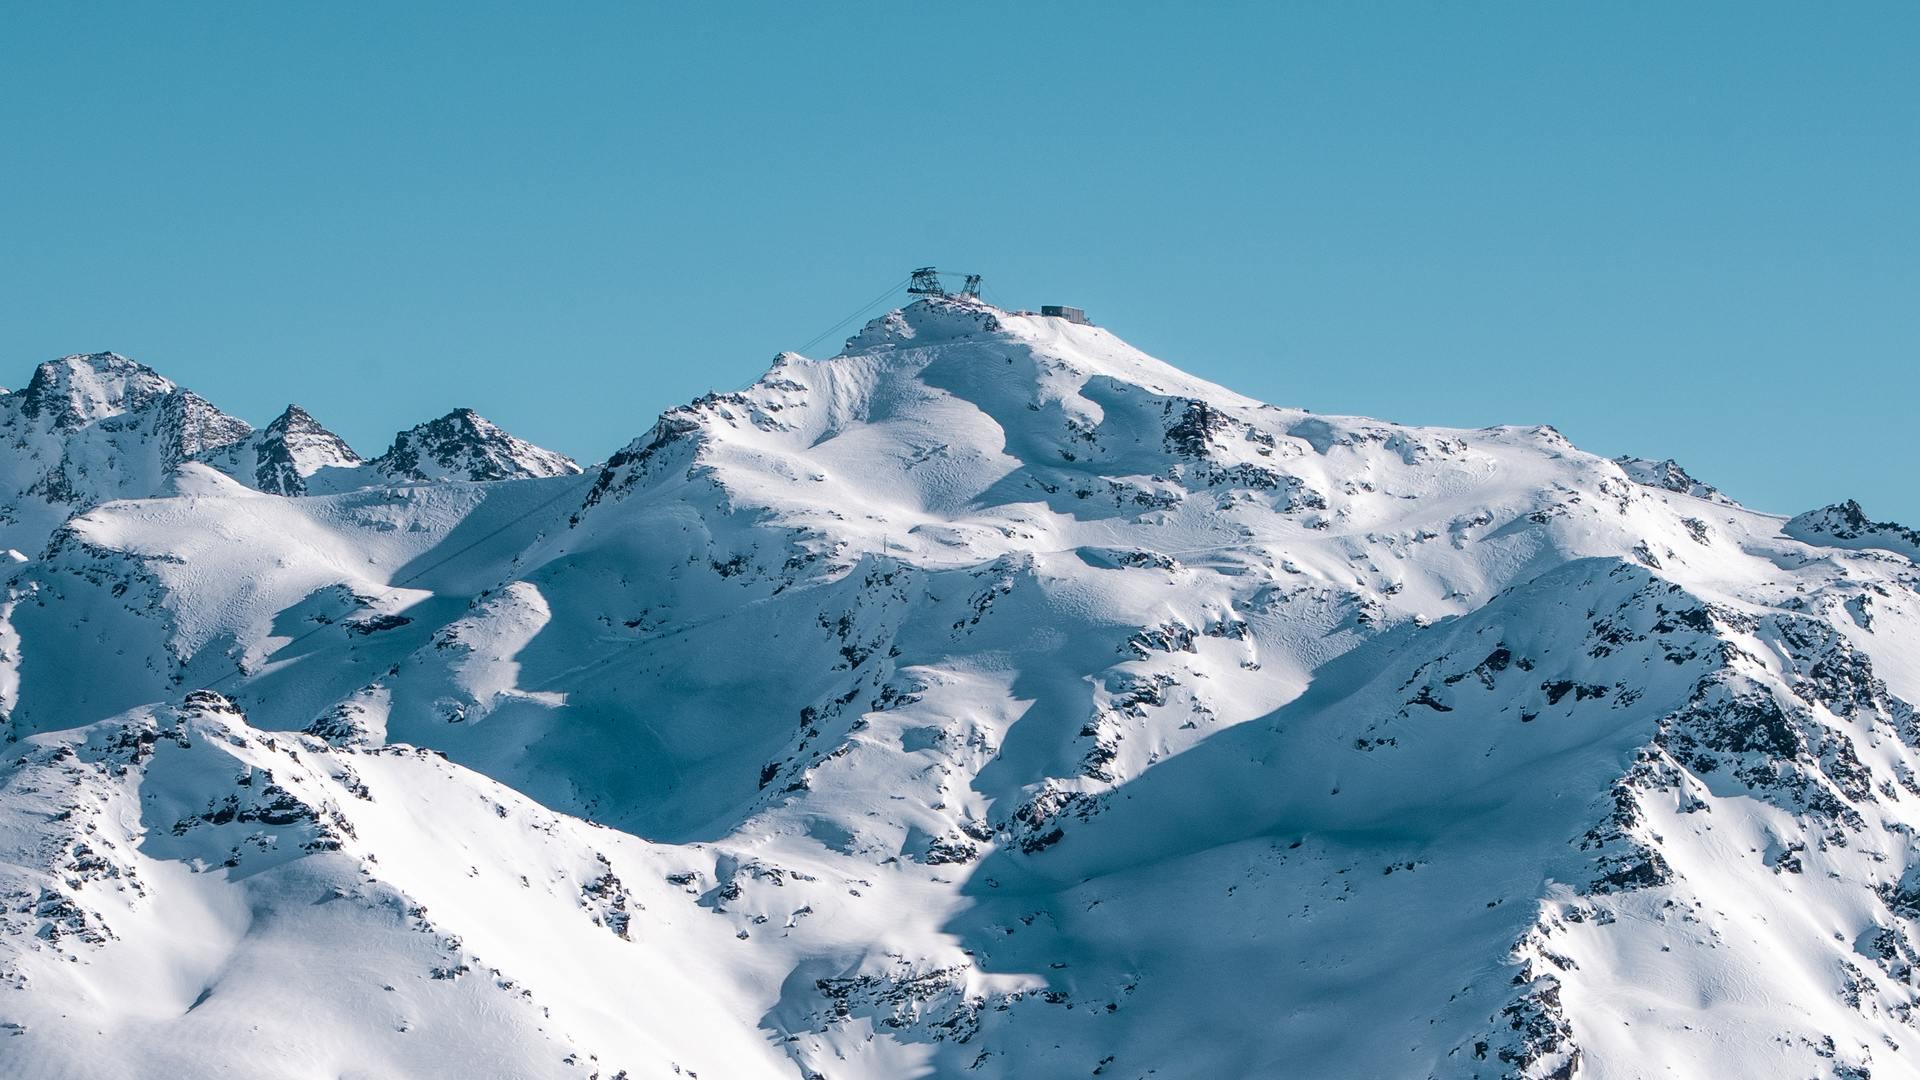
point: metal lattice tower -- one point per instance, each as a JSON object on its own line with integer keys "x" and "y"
{"x": 925, "y": 282}
{"x": 972, "y": 288}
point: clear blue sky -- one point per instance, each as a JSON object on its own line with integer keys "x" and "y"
{"x": 1687, "y": 230}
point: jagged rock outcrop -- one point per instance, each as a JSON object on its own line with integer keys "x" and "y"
{"x": 1668, "y": 476}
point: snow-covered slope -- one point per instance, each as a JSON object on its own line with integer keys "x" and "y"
{"x": 988, "y": 699}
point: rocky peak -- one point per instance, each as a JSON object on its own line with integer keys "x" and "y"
{"x": 297, "y": 428}
{"x": 1845, "y": 524}
{"x": 295, "y": 419}
{"x": 463, "y": 445}
{"x": 294, "y": 447}
{"x": 95, "y": 427}
{"x": 82, "y": 388}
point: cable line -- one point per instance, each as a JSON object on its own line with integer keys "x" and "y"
{"x": 864, "y": 308}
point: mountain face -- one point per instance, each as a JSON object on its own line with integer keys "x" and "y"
{"x": 989, "y": 698}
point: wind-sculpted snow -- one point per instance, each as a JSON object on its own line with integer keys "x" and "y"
{"x": 987, "y": 699}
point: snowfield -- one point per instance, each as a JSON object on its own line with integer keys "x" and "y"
{"x": 988, "y": 699}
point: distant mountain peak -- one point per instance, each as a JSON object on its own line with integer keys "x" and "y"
{"x": 463, "y": 445}
{"x": 94, "y": 427}
{"x": 1846, "y": 525}
{"x": 294, "y": 447}
{"x": 91, "y": 428}
{"x": 85, "y": 387}
{"x": 294, "y": 418}
{"x": 295, "y": 422}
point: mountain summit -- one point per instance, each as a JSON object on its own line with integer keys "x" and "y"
{"x": 988, "y": 698}
{"x": 91, "y": 428}
{"x": 463, "y": 445}
{"x": 284, "y": 457}
{"x": 83, "y": 388}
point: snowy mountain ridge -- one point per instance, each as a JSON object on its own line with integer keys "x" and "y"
{"x": 987, "y": 699}
{"x": 91, "y": 428}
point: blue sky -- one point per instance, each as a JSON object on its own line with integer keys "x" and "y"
{"x": 1673, "y": 230}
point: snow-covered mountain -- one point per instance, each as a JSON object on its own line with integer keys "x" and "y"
{"x": 296, "y": 455}
{"x": 987, "y": 699}
{"x": 463, "y": 445}
{"x": 90, "y": 429}
{"x": 284, "y": 457}
{"x": 1845, "y": 524}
